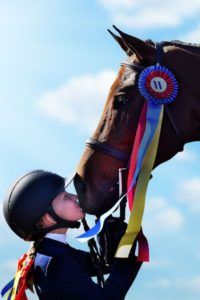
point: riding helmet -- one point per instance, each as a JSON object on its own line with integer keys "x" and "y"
{"x": 29, "y": 198}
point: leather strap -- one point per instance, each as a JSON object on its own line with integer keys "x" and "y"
{"x": 107, "y": 149}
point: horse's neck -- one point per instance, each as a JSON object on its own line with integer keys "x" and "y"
{"x": 185, "y": 112}
{"x": 187, "y": 107}
{"x": 190, "y": 120}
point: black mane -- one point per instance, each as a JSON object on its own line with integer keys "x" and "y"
{"x": 187, "y": 46}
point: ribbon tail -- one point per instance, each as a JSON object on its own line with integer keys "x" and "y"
{"x": 135, "y": 220}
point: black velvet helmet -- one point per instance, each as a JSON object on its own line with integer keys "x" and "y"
{"x": 29, "y": 198}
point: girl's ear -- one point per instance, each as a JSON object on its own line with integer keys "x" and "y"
{"x": 48, "y": 220}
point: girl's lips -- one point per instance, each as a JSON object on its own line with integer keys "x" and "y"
{"x": 75, "y": 201}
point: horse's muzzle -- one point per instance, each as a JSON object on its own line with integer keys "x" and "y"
{"x": 93, "y": 200}
{"x": 87, "y": 203}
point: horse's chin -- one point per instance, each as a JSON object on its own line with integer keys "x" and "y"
{"x": 98, "y": 208}
{"x": 109, "y": 201}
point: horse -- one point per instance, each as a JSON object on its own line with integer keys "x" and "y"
{"x": 109, "y": 148}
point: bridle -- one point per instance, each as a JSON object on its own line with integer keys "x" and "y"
{"x": 122, "y": 155}
{"x": 107, "y": 149}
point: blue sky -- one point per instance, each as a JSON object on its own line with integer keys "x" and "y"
{"x": 52, "y": 50}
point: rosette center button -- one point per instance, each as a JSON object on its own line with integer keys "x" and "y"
{"x": 158, "y": 84}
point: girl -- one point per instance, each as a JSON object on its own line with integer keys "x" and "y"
{"x": 39, "y": 209}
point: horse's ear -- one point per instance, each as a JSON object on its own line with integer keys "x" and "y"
{"x": 122, "y": 43}
{"x": 143, "y": 50}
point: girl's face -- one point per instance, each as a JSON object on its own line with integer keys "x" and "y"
{"x": 67, "y": 207}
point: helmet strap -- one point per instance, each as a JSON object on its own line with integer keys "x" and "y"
{"x": 61, "y": 223}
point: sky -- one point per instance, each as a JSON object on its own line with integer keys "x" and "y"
{"x": 57, "y": 62}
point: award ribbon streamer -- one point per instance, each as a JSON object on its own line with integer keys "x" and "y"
{"x": 15, "y": 289}
{"x": 152, "y": 119}
{"x": 10, "y": 290}
{"x": 15, "y": 285}
{"x": 133, "y": 161}
{"x": 99, "y": 225}
{"x": 7, "y": 290}
{"x": 134, "y": 224}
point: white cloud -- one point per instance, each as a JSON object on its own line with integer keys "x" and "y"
{"x": 189, "y": 193}
{"x": 8, "y": 266}
{"x": 80, "y": 101}
{"x": 158, "y": 263}
{"x": 117, "y": 4}
{"x": 191, "y": 284}
{"x": 185, "y": 284}
{"x": 146, "y": 19}
{"x": 161, "y": 217}
{"x": 161, "y": 283}
{"x": 5, "y": 230}
{"x": 186, "y": 156}
{"x": 198, "y": 255}
{"x": 7, "y": 270}
{"x": 151, "y": 13}
{"x": 1, "y": 213}
{"x": 192, "y": 36}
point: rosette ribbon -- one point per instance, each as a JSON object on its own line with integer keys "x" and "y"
{"x": 15, "y": 289}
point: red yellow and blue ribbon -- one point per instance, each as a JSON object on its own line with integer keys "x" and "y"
{"x": 7, "y": 290}
{"x": 146, "y": 158}
{"x": 15, "y": 289}
{"x": 99, "y": 224}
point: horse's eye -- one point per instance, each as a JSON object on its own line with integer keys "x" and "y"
{"x": 121, "y": 98}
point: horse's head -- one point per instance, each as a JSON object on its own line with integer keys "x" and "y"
{"x": 111, "y": 143}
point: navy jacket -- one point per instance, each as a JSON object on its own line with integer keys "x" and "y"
{"x": 62, "y": 272}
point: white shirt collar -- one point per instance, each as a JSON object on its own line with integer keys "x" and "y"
{"x": 60, "y": 237}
